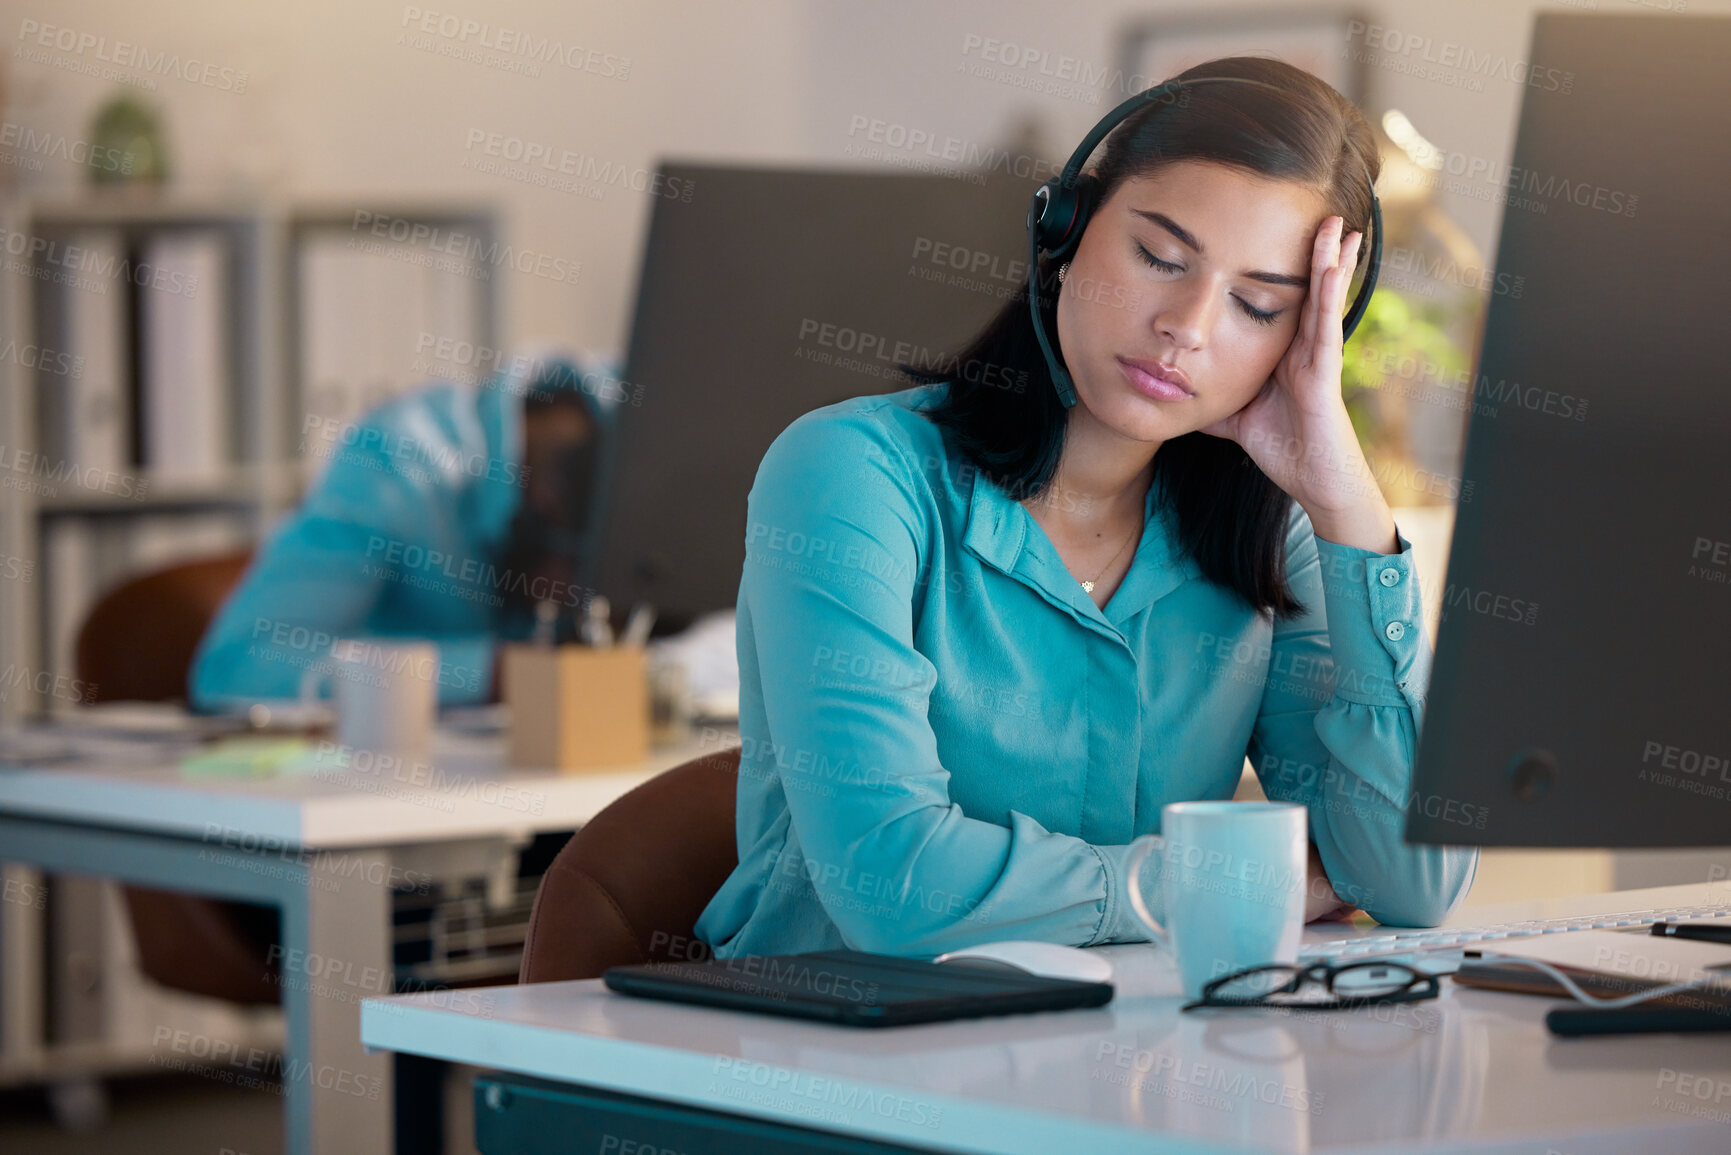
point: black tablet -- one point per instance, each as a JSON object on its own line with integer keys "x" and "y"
{"x": 855, "y": 988}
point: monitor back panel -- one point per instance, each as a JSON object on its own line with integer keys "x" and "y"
{"x": 768, "y": 294}
{"x": 1581, "y": 694}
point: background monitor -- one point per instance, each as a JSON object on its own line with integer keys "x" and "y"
{"x": 1582, "y": 689}
{"x": 772, "y": 292}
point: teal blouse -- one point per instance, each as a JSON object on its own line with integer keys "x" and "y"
{"x": 944, "y": 741}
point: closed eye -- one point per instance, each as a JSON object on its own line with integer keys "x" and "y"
{"x": 1257, "y": 315}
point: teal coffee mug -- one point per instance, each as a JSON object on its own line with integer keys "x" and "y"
{"x": 1232, "y": 876}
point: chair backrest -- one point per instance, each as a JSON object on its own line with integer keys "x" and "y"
{"x": 629, "y": 886}
{"x": 137, "y": 642}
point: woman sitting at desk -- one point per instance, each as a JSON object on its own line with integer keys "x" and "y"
{"x": 983, "y": 638}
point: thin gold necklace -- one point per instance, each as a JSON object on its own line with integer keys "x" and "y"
{"x": 1088, "y": 586}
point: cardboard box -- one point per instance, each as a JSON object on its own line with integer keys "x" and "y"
{"x": 576, "y": 708}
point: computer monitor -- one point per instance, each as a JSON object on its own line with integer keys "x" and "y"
{"x": 1581, "y": 694}
{"x": 769, "y": 293}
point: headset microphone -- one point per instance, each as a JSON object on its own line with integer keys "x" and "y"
{"x": 1060, "y": 209}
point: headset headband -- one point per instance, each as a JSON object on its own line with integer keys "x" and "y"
{"x": 1059, "y": 212}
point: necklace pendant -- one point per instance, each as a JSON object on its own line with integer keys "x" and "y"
{"x": 1087, "y": 587}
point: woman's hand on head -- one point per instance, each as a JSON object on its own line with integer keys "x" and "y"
{"x": 1296, "y": 428}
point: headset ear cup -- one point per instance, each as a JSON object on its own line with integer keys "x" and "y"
{"x": 1084, "y": 196}
{"x": 1049, "y": 216}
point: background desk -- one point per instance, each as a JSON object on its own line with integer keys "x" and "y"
{"x": 319, "y": 849}
{"x": 1471, "y": 1071}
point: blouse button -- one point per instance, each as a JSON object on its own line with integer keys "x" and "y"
{"x": 1390, "y": 576}
{"x": 1395, "y": 631}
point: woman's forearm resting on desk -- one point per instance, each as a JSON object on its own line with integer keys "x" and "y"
{"x": 1360, "y": 649}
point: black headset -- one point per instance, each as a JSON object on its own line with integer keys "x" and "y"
{"x": 1060, "y": 209}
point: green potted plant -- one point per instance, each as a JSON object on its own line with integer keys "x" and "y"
{"x": 1400, "y": 352}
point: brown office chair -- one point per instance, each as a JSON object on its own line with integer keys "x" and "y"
{"x": 136, "y": 645}
{"x": 628, "y": 887}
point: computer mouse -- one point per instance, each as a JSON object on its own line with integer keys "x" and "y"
{"x": 1047, "y": 959}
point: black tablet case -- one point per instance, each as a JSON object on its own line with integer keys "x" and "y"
{"x": 855, "y": 988}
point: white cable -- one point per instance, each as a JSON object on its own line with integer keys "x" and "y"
{"x": 1568, "y": 984}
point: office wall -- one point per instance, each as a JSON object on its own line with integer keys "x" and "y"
{"x": 357, "y": 101}
{"x": 352, "y": 100}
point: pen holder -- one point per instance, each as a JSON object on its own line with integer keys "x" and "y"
{"x": 576, "y": 708}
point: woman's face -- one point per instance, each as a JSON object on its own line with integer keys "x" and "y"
{"x": 1228, "y": 242}
{"x": 553, "y": 435}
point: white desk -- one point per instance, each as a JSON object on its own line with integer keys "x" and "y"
{"x": 1470, "y": 1071}
{"x": 324, "y": 850}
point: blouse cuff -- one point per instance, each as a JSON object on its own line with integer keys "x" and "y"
{"x": 1118, "y": 921}
{"x": 1375, "y": 620}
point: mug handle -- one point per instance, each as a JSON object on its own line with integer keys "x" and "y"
{"x": 1139, "y": 850}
